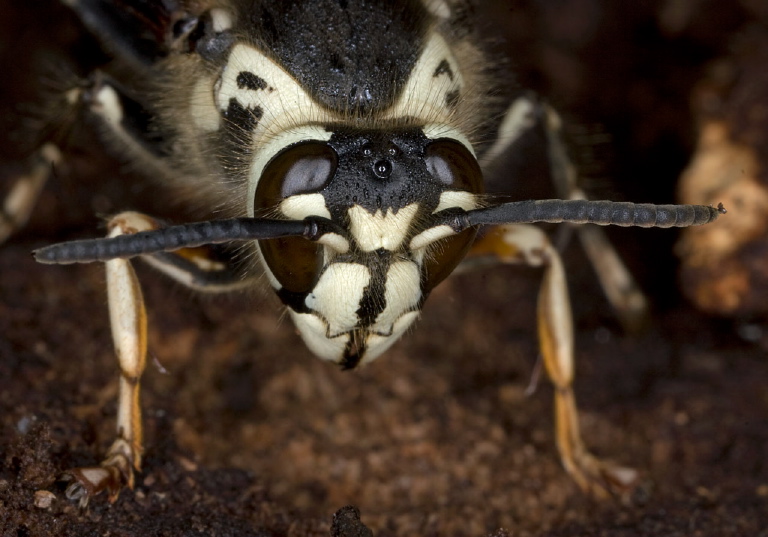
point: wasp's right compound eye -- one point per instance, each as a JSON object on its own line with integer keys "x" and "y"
{"x": 300, "y": 169}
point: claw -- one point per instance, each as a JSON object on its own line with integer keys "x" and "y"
{"x": 91, "y": 481}
{"x": 114, "y": 473}
{"x": 603, "y": 479}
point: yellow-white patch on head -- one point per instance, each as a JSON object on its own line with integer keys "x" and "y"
{"x": 313, "y": 331}
{"x": 428, "y": 236}
{"x": 337, "y": 295}
{"x": 202, "y": 107}
{"x": 300, "y": 206}
{"x": 452, "y": 199}
{"x": 433, "y": 85}
{"x": 377, "y": 344}
{"x": 260, "y": 85}
{"x": 402, "y": 294}
{"x": 380, "y": 230}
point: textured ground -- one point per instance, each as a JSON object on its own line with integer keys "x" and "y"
{"x": 248, "y": 434}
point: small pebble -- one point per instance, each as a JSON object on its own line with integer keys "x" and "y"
{"x": 44, "y": 499}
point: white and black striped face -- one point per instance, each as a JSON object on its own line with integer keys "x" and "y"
{"x": 358, "y": 126}
{"x": 353, "y": 296}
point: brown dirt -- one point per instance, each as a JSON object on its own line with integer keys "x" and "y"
{"x": 248, "y": 434}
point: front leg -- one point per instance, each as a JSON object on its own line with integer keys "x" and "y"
{"x": 528, "y": 245}
{"x": 193, "y": 267}
{"x": 129, "y": 332}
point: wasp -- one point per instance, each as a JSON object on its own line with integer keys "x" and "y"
{"x": 338, "y": 149}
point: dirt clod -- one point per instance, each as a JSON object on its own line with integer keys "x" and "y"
{"x": 347, "y": 523}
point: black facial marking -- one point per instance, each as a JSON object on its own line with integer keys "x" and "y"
{"x": 295, "y": 301}
{"x": 444, "y": 68}
{"x": 353, "y": 352}
{"x": 372, "y": 303}
{"x": 248, "y": 80}
{"x": 452, "y": 98}
{"x": 351, "y": 56}
{"x": 233, "y": 141}
{"x": 243, "y": 118}
{"x": 378, "y": 170}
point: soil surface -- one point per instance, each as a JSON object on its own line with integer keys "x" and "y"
{"x": 248, "y": 434}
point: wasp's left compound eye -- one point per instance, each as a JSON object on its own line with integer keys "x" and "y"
{"x": 304, "y": 168}
{"x": 450, "y": 163}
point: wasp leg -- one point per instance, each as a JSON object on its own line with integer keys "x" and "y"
{"x": 127, "y": 125}
{"x": 128, "y": 319}
{"x": 21, "y": 199}
{"x": 528, "y": 115}
{"x": 528, "y": 245}
{"x": 129, "y": 333}
{"x": 621, "y": 289}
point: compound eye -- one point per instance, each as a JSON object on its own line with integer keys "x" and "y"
{"x": 309, "y": 168}
{"x": 302, "y": 168}
{"x": 453, "y": 166}
{"x": 299, "y": 169}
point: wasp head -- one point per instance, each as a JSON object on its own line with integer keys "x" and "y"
{"x": 353, "y": 296}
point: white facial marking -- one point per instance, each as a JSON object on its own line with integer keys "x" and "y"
{"x": 402, "y": 293}
{"x": 380, "y": 230}
{"x": 337, "y": 295}
{"x": 202, "y": 107}
{"x": 428, "y": 236}
{"x": 279, "y": 97}
{"x": 425, "y": 95}
{"x": 313, "y": 332}
{"x": 378, "y": 344}
{"x": 300, "y": 206}
{"x": 456, "y": 198}
{"x": 433, "y": 131}
{"x": 335, "y": 242}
